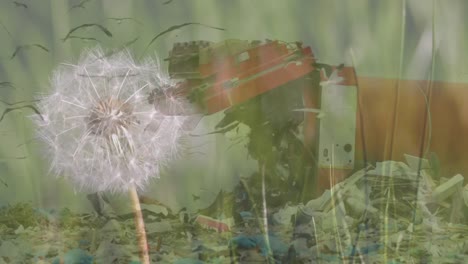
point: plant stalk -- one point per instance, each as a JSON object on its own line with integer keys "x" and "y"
{"x": 140, "y": 227}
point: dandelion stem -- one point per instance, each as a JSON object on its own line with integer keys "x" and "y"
{"x": 140, "y": 226}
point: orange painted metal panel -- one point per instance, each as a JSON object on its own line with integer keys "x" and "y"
{"x": 223, "y": 98}
{"x": 389, "y": 131}
{"x": 392, "y": 123}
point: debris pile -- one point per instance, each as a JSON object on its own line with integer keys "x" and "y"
{"x": 387, "y": 213}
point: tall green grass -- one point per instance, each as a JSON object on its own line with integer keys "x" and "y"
{"x": 383, "y": 44}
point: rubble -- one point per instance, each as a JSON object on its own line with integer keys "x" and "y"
{"x": 109, "y": 252}
{"x": 158, "y": 227}
{"x": 465, "y": 195}
{"x": 446, "y": 189}
{"x": 9, "y": 250}
{"x": 377, "y": 213}
{"x": 213, "y": 224}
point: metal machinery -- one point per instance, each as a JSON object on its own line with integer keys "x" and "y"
{"x": 219, "y": 76}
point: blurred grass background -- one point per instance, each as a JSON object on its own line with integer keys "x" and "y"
{"x": 387, "y": 38}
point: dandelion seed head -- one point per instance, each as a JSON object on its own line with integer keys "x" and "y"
{"x": 100, "y": 130}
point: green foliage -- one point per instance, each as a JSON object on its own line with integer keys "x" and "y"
{"x": 19, "y": 214}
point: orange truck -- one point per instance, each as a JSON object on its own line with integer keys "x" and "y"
{"x": 347, "y": 119}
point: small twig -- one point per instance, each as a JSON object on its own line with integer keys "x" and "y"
{"x": 158, "y": 244}
{"x": 172, "y": 28}
{"x": 14, "y": 158}
{"x": 120, "y": 19}
{"x": 3, "y": 182}
{"x": 10, "y": 109}
{"x": 19, "y": 102}
{"x": 83, "y": 38}
{"x": 19, "y": 4}
{"x": 102, "y": 28}
{"x": 28, "y": 46}
{"x": 7, "y": 85}
{"x": 79, "y": 5}
{"x": 6, "y": 29}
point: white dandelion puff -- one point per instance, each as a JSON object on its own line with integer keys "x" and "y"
{"x": 104, "y": 130}
{"x": 100, "y": 124}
